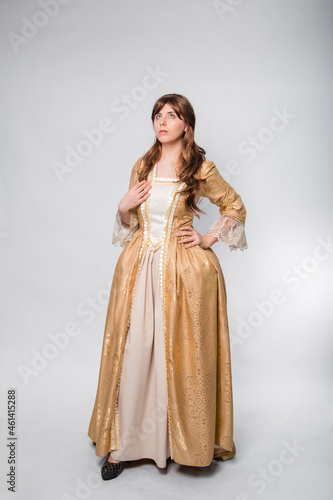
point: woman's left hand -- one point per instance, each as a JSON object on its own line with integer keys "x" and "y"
{"x": 194, "y": 238}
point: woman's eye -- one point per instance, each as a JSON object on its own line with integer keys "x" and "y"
{"x": 172, "y": 115}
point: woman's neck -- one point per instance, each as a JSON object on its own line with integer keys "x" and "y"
{"x": 171, "y": 152}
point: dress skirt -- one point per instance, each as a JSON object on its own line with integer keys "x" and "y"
{"x": 141, "y": 427}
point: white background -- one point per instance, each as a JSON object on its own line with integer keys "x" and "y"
{"x": 239, "y": 65}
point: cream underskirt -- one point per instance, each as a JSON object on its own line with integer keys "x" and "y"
{"x": 142, "y": 413}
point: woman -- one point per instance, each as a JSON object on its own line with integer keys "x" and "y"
{"x": 164, "y": 388}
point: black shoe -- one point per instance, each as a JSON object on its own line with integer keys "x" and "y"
{"x": 110, "y": 470}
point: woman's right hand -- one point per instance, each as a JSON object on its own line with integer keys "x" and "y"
{"x": 135, "y": 196}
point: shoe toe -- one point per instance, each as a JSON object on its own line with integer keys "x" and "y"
{"x": 111, "y": 470}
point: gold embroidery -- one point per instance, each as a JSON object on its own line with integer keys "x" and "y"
{"x": 229, "y": 213}
{"x": 119, "y": 359}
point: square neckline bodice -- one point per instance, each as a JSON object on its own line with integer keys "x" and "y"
{"x": 155, "y": 177}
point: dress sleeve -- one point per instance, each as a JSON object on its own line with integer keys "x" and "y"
{"x": 229, "y": 228}
{"x": 122, "y": 232}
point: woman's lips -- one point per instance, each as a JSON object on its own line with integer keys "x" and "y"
{"x": 163, "y": 131}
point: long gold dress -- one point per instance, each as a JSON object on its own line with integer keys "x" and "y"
{"x": 164, "y": 386}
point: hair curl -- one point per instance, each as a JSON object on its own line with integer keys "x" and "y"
{"x": 191, "y": 155}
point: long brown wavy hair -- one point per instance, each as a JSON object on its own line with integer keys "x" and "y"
{"x": 191, "y": 155}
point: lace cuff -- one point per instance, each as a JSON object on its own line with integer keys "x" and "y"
{"x": 123, "y": 233}
{"x": 229, "y": 230}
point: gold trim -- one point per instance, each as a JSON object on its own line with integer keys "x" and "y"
{"x": 121, "y": 357}
{"x": 166, "y": 180}
{"x": 232, "y": 215}
{"x": 173, "y": 199}
{"x": 162, "y": 270}
{"x": 115, "y": 424}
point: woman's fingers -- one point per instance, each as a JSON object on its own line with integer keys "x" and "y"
{"x": 136, "y": 195}
{"x": 144, "y": 193}
{"x": 141, "y": 185}
{"x": 143, "y": 189}
{"x": 140, "y": 191}
{"x": 191, "y": 236}
{"x": 185, "y": 230}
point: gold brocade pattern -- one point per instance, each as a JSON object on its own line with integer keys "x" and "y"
{"x": 197, "y": 346}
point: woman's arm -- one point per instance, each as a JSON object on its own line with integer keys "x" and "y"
{"x": 229, "y": 228}
{"x": 126, "y": 222}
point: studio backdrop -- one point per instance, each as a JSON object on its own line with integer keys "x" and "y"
{"x": 79, "y": 80}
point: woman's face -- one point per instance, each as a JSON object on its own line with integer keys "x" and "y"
{"x": 168, "y": 127}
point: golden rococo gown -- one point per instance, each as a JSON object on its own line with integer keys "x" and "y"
{"x": 164, "y": 387}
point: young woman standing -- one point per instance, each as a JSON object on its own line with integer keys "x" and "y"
{"x": 164, "y": 388}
